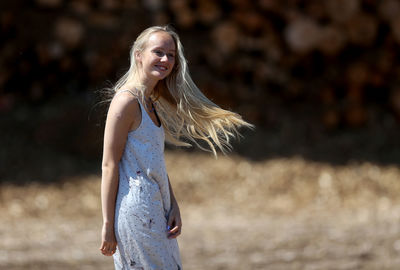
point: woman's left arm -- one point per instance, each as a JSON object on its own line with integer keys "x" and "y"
{"x": 174, "y": 217}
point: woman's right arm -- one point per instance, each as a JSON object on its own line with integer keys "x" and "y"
{"x": 121, "y": 116}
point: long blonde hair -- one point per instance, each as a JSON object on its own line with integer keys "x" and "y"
{"x": 184, "y": 111}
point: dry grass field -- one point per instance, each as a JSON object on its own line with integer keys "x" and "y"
{"x": 280, "y": 213}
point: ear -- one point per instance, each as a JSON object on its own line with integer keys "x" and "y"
{"x": 138, "y": 56}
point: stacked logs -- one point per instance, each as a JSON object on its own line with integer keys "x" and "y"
{"x": 335, "y": 56}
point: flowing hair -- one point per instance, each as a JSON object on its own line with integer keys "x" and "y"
{"x": 184, "y": 111}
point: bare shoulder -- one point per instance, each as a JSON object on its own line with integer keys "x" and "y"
{"x": 125, "y": 103}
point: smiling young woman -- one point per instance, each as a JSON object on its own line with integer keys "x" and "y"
{"x": 154, "y": 102}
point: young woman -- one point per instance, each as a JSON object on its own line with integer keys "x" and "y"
{"x": 155, "y": 100}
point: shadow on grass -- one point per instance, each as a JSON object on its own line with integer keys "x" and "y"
{"x": 52, "y": 141}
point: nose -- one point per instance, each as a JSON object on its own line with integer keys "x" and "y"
{"x": 164, "y": 58}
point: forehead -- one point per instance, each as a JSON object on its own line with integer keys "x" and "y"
{"x": 161, "y": 39}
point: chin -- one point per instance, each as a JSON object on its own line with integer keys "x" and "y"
{"x": 160, "y": 76}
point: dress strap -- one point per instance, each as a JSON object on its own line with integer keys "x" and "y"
{"x": 142, "y": 107}
{"x": 127, "y": 90}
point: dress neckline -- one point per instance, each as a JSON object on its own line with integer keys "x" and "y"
{"x": 148, "y": 116}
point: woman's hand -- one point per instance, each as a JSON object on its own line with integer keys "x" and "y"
{"x": 174, "y": 221}
{"x": 108, "y": 242}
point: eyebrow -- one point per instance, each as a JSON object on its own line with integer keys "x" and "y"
{"x": 164, "y": 49}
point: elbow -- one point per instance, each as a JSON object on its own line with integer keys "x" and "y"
{"x": 109, "y": 167}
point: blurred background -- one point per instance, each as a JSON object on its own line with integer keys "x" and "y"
{"x": 314, "y": 186}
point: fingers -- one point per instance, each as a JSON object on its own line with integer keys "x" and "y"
{"x": 174, "y": 232}
{"x": 108, "y": 249}
{"x": 174, "y": 225}
{"x": 174, "y": 220}
{"x": 108, "y": 252}
{"x": 108, "y": 241}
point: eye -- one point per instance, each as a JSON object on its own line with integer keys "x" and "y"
{"x": 159, "y": 53}
{"x": 171, "y": 55}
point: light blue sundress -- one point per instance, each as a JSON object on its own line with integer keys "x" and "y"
{"x": 143, "y": 202}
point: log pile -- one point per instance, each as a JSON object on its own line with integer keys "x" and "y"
{"x": 335, "y": 56}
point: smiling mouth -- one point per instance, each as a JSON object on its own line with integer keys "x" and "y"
{"x": 162, "y": 68}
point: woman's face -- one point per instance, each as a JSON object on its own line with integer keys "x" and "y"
{"x": 158, "y": 57}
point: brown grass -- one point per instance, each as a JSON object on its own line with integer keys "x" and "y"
{"x": 286, "y": 213}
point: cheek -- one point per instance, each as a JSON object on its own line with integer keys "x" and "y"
{"x": 171, "y": 68}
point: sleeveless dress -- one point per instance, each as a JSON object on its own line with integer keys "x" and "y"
{"x": 143, "y": 202}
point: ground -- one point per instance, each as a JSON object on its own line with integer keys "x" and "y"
{"x": 278, "y": 213}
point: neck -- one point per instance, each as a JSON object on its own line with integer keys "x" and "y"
{"x": 148, "y": 85}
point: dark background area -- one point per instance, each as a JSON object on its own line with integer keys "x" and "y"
{"x": 319, "y": 79}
